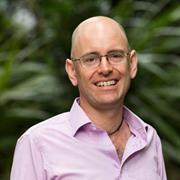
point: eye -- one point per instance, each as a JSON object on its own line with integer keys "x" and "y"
{"x": 90, "y": 58}
{"x": 116, "y": 55}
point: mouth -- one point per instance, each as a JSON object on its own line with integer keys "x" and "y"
{"x": 106, "y": 83}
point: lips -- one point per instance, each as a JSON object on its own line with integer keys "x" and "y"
{"x": 106, "y": 83}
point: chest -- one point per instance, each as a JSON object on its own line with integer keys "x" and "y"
{"x": 89, "y": 159}
{"x": 120, "y": 140}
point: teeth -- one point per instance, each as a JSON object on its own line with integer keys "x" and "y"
{"x": 106, "y": 83}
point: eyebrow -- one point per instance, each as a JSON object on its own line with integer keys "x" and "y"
{"x": 110, "y": 51}
{"x": 116, "y": 50}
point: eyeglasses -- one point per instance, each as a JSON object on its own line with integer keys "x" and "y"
{"x": 93, "y": 60}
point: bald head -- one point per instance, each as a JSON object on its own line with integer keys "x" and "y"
{"x": 94, "y": 26}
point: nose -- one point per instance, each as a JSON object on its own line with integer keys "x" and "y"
{"x": 105, "y": 67}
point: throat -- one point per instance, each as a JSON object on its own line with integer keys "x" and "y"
{"x": 120, "y": 139}
{"x": 117, "y": 129}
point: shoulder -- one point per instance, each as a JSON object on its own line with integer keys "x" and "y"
{"x": 56, "y": 124}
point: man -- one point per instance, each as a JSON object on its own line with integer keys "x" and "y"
{"x": 99, "y": 139}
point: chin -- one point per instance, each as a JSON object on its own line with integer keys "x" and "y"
{"x": 108, "y": 102}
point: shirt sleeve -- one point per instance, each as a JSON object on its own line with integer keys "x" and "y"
{"x": 161, "y": 165}
{"x": 27, "y": 161}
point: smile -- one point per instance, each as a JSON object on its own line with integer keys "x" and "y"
{"x": 106, "y": 83}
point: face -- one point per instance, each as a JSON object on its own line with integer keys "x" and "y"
{"x": 103, "y": 87}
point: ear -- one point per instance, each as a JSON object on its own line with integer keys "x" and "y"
{"x": 133, "y": 64}
{"x": 70, "y": 69}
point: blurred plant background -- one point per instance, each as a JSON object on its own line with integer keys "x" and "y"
{"x": 35, "y": 41}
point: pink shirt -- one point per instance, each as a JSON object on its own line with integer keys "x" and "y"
{"x": 70, "y": 147}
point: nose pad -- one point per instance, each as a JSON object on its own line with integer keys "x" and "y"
{"x": 105, "y": 66}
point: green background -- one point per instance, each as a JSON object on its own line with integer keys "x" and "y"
{"x": 35, "y": 41}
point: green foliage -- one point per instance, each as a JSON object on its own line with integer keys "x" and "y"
{"x": 34, "y": 85}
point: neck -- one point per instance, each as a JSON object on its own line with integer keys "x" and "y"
{"x": 108, "y": 119}
{"x": 117, "y": 129}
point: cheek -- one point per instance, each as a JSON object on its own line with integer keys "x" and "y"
{"x": 82, "y": 81}
{"x": 84, "y": 76}
{"x": 123, "y": 70}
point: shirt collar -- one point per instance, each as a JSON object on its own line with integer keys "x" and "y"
{"x": 137, "y": 126}
{"x": 78, "y": 117}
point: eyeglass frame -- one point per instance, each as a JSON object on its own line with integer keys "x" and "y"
{"x": 124, "y": 53}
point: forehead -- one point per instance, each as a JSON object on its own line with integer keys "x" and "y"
{"x": 98, "y": 35}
